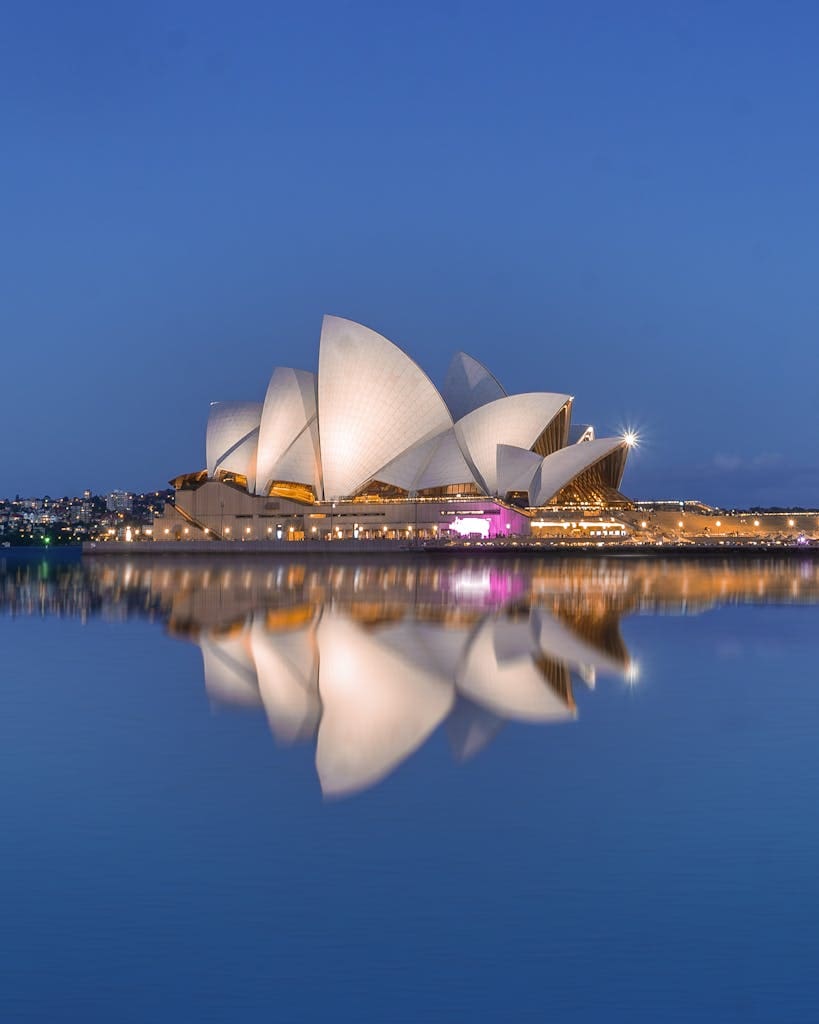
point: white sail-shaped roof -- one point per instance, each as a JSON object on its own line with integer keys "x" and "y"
{"x": 232, "y": 439}
{"x": 512, "y": 687}
{"x": 405, "y": 470}
{"x": 437, "y": 462}
{"x": 287, "y": 671}
{"x": 516, "y": 467}
{"x": 515, "y": 420}
{"x": 561, "y": 467}
{"x": 288, "y": 432}
{"x": 469, "y": 385}
{"x": 446, "y": 465}
{"x": 580, "y": 433}
{"x": 374, "y": 402}
{"x": 378, "y": 707}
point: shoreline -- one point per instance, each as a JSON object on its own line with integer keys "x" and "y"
{"x": 332, "y": 549}
{"x": 368, "y": 549}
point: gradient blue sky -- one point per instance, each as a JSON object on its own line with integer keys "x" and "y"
{"x": 615, "y": 200}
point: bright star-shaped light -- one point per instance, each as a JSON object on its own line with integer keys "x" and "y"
{"x": 631, "y": 438}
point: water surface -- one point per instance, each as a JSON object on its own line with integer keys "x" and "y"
{"x": 455, "y": 790}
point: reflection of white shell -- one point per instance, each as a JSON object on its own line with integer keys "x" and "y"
{"x": 561, "y": 467}
{"x": 512, "y": 687}
{"x": 433, "y": 649}
{"x": 471, "y": 728}
{"x": 517, "y": 420}
{"x": 230, "y": 675}
{"x": 469, "y": 385}
{"x": 559, "y": 641}
{"x": 232, "y": 439}
{"x": 287, "y": 669}
{"x": 288, "y": 433}
{"x": 378, "y": 707}
{"x": 374, "y": 402}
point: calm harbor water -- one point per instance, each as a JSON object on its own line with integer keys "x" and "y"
{"x": 420, "y": 789}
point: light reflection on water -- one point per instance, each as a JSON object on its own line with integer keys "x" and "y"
{"x": 366, "y": 660}
{"x": 584, "y": 790}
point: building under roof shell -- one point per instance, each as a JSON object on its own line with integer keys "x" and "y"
{"x": 371, "y": 430}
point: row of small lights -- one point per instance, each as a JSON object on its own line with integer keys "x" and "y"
{"x": 681, "y": 524}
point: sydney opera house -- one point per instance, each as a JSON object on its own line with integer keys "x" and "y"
{"x": 369, "y": 447}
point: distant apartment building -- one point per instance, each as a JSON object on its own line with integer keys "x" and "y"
{"x": 119, "y": 501}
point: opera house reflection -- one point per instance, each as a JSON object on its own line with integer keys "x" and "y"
{"x": 367, "y": 659}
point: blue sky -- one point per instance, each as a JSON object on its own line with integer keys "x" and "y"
{"x": 618, "y": 201}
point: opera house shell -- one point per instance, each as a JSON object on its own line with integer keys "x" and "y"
{"x": 369, "y": 435}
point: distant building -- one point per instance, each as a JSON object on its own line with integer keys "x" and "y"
{"x": 369, "y": 447}
{"x": 119, "y": 501}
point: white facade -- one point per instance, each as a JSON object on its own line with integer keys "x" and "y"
{"x": 232, "y": 439}
{"x": 516, "y": 467}
{"x": 288, "y": 432}
{"x": 406, "y": 470}
{"x": 517, "y": 420}
{"x": 374, "y": 403}
{"x": 561, "y": 467}
{"x": 372, "y": 416}
{"x": 447, "y": 465}
{"x": 469, "y": 385}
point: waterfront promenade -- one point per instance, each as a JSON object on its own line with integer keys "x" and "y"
{"x": 521, "y": 546}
